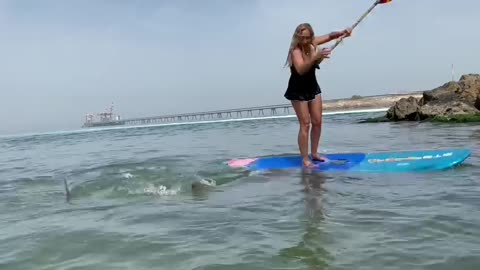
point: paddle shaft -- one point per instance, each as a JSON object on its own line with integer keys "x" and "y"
{"x": 357, "y": 22}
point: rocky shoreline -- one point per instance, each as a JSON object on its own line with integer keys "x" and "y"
{"x": 454, "y": 101}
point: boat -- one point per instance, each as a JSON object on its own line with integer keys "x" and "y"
{"x": 106, "y": 118}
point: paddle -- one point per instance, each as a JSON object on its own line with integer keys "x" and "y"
{"x": 361, "y": 18}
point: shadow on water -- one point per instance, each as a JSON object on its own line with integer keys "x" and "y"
{"x": 311, "y": 249}
{"x": 157, "y": 178}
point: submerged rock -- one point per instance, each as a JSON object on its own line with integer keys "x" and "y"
{"x": 465, "y": 118}
{"x": 375, "y": 120}
{"x": 453, "y": 100}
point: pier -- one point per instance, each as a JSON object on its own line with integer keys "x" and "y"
{"x": 333, "y": 105}
{"x": 274, "y": 110}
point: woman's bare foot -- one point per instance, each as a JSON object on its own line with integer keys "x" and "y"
{"x": 317, "y": 157}
{"x": 308, "y": 164}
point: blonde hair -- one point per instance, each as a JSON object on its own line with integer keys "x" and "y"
{"x": 295, "y": 40}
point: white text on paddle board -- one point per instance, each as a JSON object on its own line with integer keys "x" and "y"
{"x": 376, "y": 160}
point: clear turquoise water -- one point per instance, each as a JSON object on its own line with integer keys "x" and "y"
{"x": 132, "y": 205}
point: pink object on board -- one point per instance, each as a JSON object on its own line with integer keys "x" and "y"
{"x": 240, "y": 162}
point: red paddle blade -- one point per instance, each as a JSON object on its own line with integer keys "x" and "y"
{"x": 384, "y": 1}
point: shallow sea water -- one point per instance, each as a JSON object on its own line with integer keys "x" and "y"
{"x": 132, "y": 206}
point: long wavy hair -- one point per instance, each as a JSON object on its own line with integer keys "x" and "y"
{"x": 296, "y": 40}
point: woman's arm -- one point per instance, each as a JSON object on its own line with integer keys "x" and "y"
{"x": 300, "y": 64}
{"x": 303, "y": 65}
{"x": 331, "y": 36}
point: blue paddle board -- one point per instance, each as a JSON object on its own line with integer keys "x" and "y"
{"x": 401, "y": 161}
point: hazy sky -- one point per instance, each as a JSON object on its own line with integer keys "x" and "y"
{"x": 62, "y": 59}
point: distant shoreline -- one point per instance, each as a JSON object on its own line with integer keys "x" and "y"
{"x": 368, "y": 102}
{"x": 333, "y": 105}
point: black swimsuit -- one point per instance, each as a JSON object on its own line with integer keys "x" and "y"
{"x": 302, "y": 87}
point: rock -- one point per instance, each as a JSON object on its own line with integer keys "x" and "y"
{"x": 447, "y": 109}
{"x": 470, "y": 85}
{"x": 444, "y": 93}
{"x": 456, "y": 98}
{"x": 404, "y": 109}
{"x": 467, "y": 90}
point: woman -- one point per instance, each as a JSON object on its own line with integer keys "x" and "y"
{"x": 303, "y": 89}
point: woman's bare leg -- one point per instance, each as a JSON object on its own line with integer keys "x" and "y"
{"x": 316, "y": 110}
{"x": 303, "y": 116}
